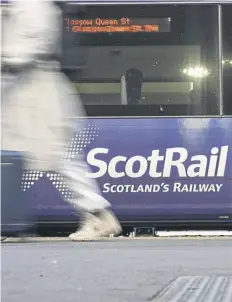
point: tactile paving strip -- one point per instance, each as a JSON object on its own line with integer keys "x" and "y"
{"x": 197, "y": 289}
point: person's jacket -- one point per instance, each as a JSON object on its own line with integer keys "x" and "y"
{"x": 40, "y": 104}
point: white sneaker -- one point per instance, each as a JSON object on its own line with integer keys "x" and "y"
{"x": 109, "y": 224}
{"x": 96, "y": 227}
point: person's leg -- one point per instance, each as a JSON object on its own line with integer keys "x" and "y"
{"x": 97, "y": 218}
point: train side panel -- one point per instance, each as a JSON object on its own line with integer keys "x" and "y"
{"x": 150, "y": 169}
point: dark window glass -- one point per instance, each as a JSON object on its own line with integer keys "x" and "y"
{"x": 227, "y": 58}
{"x": 143, "y": 60}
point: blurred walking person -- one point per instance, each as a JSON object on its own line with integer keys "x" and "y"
{"x": 38, "y": 105}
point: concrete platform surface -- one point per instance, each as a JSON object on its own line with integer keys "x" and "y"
{"x": 115, "y": 270}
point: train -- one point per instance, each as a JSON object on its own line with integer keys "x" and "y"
{"x": 155, "y": 78}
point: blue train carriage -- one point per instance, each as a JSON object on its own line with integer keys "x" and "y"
{"x": 155, "y": 78}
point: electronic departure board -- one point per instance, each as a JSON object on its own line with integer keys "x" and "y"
{"x": 125, "y": 24}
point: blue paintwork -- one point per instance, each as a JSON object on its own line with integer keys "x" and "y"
{"x": 139, "y": 136}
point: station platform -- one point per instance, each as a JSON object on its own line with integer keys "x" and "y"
{"x": 117, "y": 269}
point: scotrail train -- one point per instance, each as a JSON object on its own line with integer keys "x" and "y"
{"x": 157, "y": 90}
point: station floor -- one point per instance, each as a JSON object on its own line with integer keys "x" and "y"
{"x": 113, "y": 270}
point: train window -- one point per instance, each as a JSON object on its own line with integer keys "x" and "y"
{"x": 146, "y": 60}
{"x": 227, "y": 58}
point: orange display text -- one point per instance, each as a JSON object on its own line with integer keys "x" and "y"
{"x": 100, "y": 25}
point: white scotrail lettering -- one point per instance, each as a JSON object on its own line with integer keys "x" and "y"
{"x": 174, "y": 160}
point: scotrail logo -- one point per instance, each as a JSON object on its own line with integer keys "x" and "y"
{"x": 160, "y": 167}
{"x": 200, "y": 165}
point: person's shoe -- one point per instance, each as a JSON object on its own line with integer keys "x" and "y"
{"x": 109, "y": 224}
{"x": 97, "y": 226}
